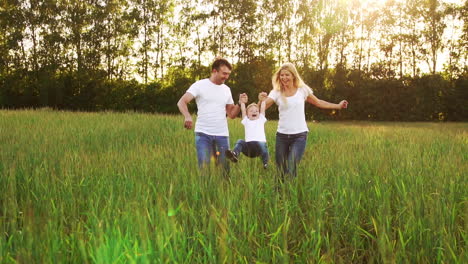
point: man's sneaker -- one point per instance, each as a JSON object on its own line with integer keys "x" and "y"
{"x": 265, "y": 166}
{"x": 231, "y": 155}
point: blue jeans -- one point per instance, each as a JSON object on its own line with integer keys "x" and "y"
{"x": 211, "y": 147}
{"x": 289, "y": 151}
{"x": 252, "y": 149}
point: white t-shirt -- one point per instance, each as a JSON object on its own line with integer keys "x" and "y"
{"x": 211, "y": 102}
{"x": 292, "y": 112}
{"x": 254, "y": 129}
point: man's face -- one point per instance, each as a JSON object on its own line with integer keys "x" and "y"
{"x": 221, "y": 75}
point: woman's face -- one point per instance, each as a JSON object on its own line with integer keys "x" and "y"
{"x": 286, "y": 78}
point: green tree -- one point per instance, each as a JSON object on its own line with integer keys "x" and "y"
{"x": 244, "y": 37}
{"x": 433, "y": 14}
{"x": 280, "y": 28}
{"x": 412, "y": 36}
{"x": 143, "y": 15}
{"x": 164, "y": 9}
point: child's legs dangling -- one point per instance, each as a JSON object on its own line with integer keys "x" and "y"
{"x": 264, "y": 152}
{"x": 240, "y": 147}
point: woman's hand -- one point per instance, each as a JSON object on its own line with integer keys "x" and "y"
{"x": 343, "y": 104}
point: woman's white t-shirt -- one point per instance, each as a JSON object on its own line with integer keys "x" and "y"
{"x": 211, "y": 102}
{"x": 292, "y": 110}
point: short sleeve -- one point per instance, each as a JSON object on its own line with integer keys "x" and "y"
{"x": 274, "y": 95}
{"x": 193, "y": 90}
{"x": 307, "y": 91}
{"x": 229, "y": 99}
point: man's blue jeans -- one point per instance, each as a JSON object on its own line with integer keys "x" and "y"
{"x": 289, "y": 151}
{"x": 211, "y": 147}
{"x": 252, "y": 149}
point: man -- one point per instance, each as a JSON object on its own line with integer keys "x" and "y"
{"x": 214, "y": 101}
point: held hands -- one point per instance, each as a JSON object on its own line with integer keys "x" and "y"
{"x": 343, "y": 104}
{"x": 262, "y": 96}
{"x": 243, "y": 98}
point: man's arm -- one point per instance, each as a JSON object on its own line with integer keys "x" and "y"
{"x": 182, "y": 104}
{"x": 232, "y": 110}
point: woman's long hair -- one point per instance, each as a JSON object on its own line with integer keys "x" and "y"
{"x": 297, "y": 80}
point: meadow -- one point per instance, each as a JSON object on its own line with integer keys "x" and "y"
{"x": 124, "y": 188}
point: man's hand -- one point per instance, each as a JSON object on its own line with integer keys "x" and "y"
{"x": 188, "y": 123}
{"x": 243, "y": 98}
{"x": 182, "y": 104}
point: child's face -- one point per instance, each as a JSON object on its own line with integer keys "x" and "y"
{"x": 253, "y": 113}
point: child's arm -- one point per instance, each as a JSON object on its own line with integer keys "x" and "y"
{"x": 244, "y": 112}
{"x": 262, "y": 107}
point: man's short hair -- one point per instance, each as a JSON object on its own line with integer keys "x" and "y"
{"x": 220, "y": 62}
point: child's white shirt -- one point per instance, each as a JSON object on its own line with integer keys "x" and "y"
{"x": 254, "y": 129}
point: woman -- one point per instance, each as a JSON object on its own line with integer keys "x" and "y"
{"x": 290, "y": 94}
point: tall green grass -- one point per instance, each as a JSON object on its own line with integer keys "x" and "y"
{"x": 125, "y": 188}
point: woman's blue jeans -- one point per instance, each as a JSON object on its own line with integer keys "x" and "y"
{"x": 212, "y": 147}
{"x": 289, "y": 151}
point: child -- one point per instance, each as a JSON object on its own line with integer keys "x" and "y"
{"x": 255, "y": 140}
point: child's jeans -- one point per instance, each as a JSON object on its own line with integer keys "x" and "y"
{"x": 252, "y": 149}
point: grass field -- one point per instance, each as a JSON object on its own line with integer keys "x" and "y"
{"x": 124, "y": 188}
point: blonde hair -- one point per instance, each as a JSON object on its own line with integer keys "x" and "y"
{"x": 297, "y": 80}
{"x": 251, "y": 105}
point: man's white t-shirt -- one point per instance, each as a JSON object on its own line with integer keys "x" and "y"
{"x": 211, "y": 102}
{"x": 292, "y": 112}
{"x": 254, "y": 129}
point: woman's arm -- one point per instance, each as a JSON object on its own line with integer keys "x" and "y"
{"x": 263, "y": 97}
{"x": 312, "y": 99}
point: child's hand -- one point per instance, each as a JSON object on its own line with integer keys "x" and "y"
{"x": 243, "y": 98}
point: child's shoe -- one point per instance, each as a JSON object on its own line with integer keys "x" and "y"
{"x": 265, "y": 166}
{"x": 231, "y": 155}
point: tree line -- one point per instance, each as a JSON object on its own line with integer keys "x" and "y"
{"x": 394, "y": 60}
